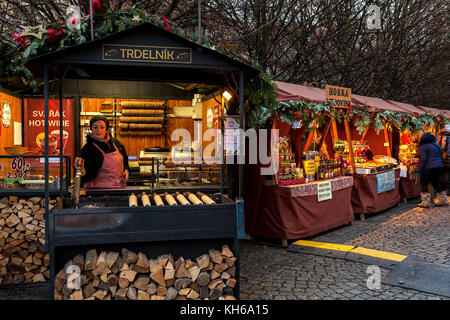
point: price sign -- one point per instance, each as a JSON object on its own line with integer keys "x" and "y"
{"x": 324, "y": 191}
{"x": 19, "y": 168}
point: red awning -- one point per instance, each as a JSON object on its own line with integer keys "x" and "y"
{"x": 289, "y": 91}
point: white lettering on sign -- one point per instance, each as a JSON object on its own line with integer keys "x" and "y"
{"x": 52, "y": 123}
{"x": 324, "y": 191}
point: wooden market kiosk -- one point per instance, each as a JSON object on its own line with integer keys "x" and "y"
{"x": 143, "y": 64}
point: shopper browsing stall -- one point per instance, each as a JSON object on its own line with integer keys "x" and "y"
{"x": 431, "y": 170}
{"x": 104, "y": 158}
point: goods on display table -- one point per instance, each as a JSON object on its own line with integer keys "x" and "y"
{"x": 409, "y": 158}
{"x": 307, "y": 200}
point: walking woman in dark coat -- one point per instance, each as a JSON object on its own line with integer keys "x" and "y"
{"x": 431, "y": 169}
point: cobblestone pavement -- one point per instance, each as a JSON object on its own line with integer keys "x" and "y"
{"x": 270, "y": 272}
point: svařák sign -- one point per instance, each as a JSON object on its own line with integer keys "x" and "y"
{"x": 117, "y": 52}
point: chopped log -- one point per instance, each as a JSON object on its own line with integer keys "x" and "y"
{"x": 186, "y": 282}
{"x": 151, "y": 288}
{"x": 203, "y": 278}
{"x": 214, "y": 274}
{"x": 215, "y": 293}
{"x": 76, "y": 295}
{"x": 232, "y": 271}
{"x": 216, "y": 256}
{"x": 128, "y": 274}
{"x": 91, "y": 260}
{"x": 101, "y": 262}
{"x": 193, "y": 294}
{"x": 35, "y": 200}
{"x": 163, "y": 259}
{"x": 117, "y": 266}
{"x": 204, "y": 292}
{"x": 123, "y": 283}
{"x": 113, "y": 290}
{"x": 121, "y": 294}
{"x": 225, "y": 276}
{"x": 194, "y": 271}
{"x": 158, "y": 276}
{"x": 184, "y": 291}
{"x": 178, "y": 284}
{"x": 12, "y": 220}
{"x": 112, "y": 280}
{"x": 169, "y": 274}
{"x": 78, "y": 260}
{"x": 111, "y": 258}
{"x": 231, "y": 282}
{"x": 141, "y": 282}
{"x": 220, "y": 267}
{"x": 230, "y": 261}
{"x": 142, "y": 263}
{"x": 100, "y": 294}
{"x": 188, "y": 263}
{"x": 88, "y": 290}
{"x": 181, "y": 272}
{"x": 226, "y": 252}
{"x": 218, "y": 283}
{"x": 60, "y": 280}
{"x": 171, "y": 293}
{"x": 142, "y": 295}
{"x": 132, "y": 294}
{"x": 161, "y": 291}
{"x": 129, "y": 256}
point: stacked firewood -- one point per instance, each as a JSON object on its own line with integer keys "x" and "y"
{"x": 22, "y": 239}
{"x": 131, "y": 276}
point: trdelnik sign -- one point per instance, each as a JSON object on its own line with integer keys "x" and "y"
{"x": 136, "y": 53}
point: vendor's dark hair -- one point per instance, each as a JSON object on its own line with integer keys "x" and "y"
{"x": 98, "y": 118}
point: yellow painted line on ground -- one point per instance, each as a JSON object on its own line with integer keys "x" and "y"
{"x": 380, "y": 254}
{"x": 323, "y": 245}
{"x": 346, "y": 248}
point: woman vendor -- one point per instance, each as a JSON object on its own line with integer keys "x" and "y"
{"x": 104, "y": 158}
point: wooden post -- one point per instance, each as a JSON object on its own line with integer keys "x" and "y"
{"x": 350, "y": 148}
{"x": 334, "y": 133}
{"x": 386, "y": 140}
{"x": 324, "y": 135}
{"x": 367, "y": 128}
{"x": 308, "y": 141}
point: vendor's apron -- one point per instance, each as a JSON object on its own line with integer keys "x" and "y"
{"x": 110, "y": 175}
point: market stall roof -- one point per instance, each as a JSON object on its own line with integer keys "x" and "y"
{"x": 289, "y": 91}
{"x": 408, "y": 108}
{"x": 143, "y": 52}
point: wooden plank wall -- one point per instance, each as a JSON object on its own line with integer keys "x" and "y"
{"x": 134, "y": 144}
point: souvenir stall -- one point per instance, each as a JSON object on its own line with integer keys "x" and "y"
{"x": 287, "y": 205}
{"x": 311, "y": 191}
{"x": 155, "y": 239}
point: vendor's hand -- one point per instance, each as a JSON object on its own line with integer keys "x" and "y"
{"x": 126, "y": 175}
{"x": 79, "y": 162}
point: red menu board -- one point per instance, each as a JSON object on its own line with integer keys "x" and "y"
{"x": 34, "y": 126}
